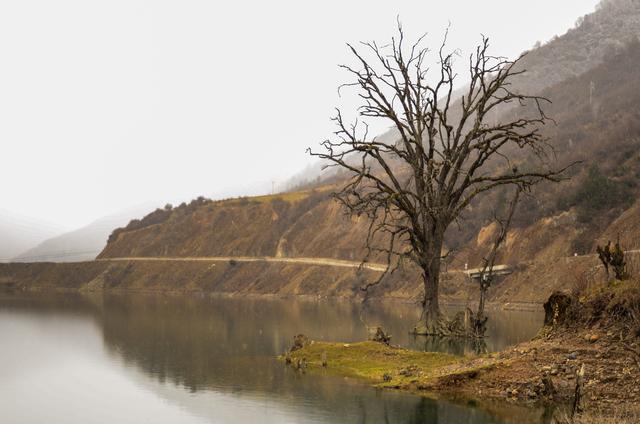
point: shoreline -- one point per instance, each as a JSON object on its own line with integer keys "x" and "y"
{"x": 537, "y": 373}
{"x": 447, "y": 303}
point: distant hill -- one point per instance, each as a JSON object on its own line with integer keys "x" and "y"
{"x": 595, "y": 36}
{"x": 20, "y": 233}
{"x": 79, "y": 245}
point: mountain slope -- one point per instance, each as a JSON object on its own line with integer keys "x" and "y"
{"x": 20, "y": 233}
{"x": 82, "y": 244}
{"x": 595, "y": 37}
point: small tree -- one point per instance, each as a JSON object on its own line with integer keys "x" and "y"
{"x": 449, "y": 150}
{"x": 613, "y": 259}
{"x": 486, "y": 274}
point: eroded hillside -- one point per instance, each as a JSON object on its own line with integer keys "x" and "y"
{"x": 301, "y": 224}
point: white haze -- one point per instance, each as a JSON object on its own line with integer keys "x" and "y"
{"x": 105, "y": 105}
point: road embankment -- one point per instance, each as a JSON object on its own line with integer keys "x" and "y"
{"x": 526, "y": 288}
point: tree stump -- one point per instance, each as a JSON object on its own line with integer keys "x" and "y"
{"x": 548, "y": 389}
{"x": 578, "y": 393}
{"x": 299, "y": 342}
{"x": 556, "y": 309}
{"x": 377, "y": 334}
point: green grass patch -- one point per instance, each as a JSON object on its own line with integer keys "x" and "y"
{"x": 372, "y": 361}
{"x": 292, "y": 197}
{"x": 286, "y": 197}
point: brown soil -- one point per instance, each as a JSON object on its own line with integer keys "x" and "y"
{"x": 517, "y": 374}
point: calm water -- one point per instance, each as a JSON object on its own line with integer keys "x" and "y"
{"x": 155, "y": 359}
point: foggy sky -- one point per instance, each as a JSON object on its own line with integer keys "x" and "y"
{"x": 105, "y": 105}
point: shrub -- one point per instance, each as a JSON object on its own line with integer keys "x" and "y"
{"x": 598, "y": 194}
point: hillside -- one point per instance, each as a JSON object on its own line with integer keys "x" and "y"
{"x": 588, "y": 44}
{"x": 20, "y": 233}
{"x": 295, "y": 224}
{"x": 83, "y": 244}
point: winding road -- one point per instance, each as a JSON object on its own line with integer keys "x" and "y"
{"x": 306, "y": 261}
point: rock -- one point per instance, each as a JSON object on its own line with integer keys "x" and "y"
{"x": 299, "y": 342}
{"x": 410, "y": 371}
{"x": 594, "y": 338}
{"x": 386, "y": 377}
{"x": 573, "y": 356}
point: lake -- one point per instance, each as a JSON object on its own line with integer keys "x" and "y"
{"x": 162, "y": 359}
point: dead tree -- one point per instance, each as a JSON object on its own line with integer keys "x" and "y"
{"x": 613, "y": 259}
{"x": 604, "y": 254}
{"x": 486, "y": 274}
{"x": 578, "y": 395}
{"x": 449, "y": 150}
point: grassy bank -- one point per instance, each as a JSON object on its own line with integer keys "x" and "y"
{"x": 378, "y": 363}
{"x": 394, "y": 367}
{"x": 600, "y": 330}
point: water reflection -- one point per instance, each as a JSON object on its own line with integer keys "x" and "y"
{"x": 213, "y": 359}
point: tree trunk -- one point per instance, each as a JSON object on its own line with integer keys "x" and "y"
{"x": 480, "y": 321}
{"x": 434, "y": 322}
{"x": 432, "y": 314}
{"x": 579, "y": 393}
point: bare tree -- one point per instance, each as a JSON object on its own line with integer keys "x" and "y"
{"x": 449, "y": 150}
{"x": 486, "y": 274}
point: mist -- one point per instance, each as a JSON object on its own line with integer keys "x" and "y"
{"x": 109, "y": 105}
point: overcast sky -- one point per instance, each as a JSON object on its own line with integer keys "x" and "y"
{"x": 109, "y": 104}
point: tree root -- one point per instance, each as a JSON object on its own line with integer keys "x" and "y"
{"x": 462, "y": 325}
